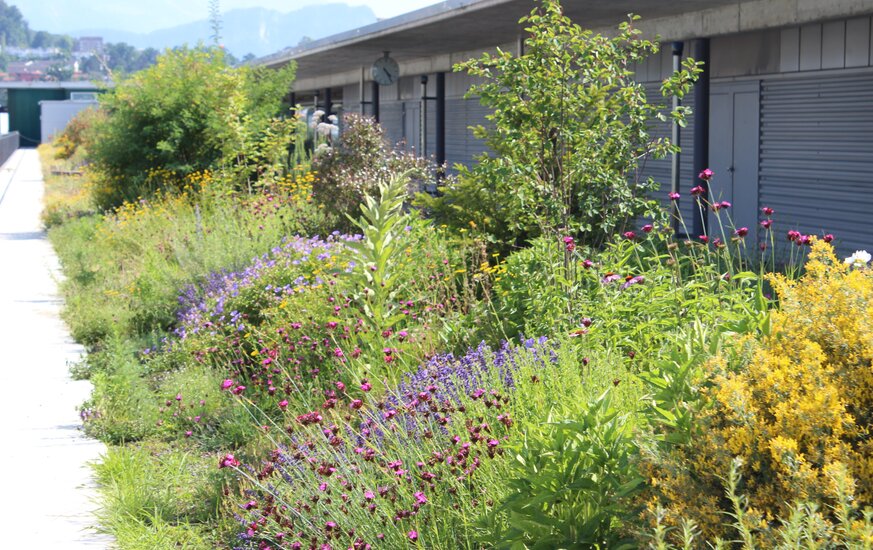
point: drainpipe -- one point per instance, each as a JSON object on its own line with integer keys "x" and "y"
{"x": 677, "y": 157}
{"x": 328, "y": 103}
{"x": 374, "y": 99}
{"x": 440, "y": 123}
{"x": 423, "y": 125}
{"x": 701, "y": 131}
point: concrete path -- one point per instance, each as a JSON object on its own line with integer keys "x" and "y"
{"x": 47, "y": 493}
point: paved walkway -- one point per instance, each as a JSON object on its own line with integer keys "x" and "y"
{"x": 47, "y": 492}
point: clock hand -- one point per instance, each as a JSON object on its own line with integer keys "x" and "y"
{"x": 384, "y": 70}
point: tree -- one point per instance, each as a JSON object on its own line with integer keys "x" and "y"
{"x": 568, "y": 130}
{"x": 13, "y": 28}
{"x": 189, "y": 112}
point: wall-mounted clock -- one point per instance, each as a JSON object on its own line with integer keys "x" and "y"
{"x": 385, "y": 70}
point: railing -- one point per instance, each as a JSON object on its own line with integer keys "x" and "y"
{"x": 9, "y": 143}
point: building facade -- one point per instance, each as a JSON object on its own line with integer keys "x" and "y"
{"x": 783, "y": 111}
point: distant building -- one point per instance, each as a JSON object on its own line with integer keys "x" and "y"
{"x": 28, "y": 71}
{"x": 89, "y": 45}
{"x": 30, "y": 53}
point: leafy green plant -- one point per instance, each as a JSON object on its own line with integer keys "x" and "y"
{"x": 570, "y": 485}
{"x": 567, "y": 130}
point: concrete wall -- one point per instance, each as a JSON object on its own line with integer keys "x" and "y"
{"x": 55, "y": 115}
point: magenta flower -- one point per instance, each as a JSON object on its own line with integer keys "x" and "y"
{"x": 766, "y": 224}
{"x": 283, "y": 404}
{"x": 587, "y": 264}
{"x": 569, "y": 244}
{"x": 704, "y": 239}
{"x": 609, "y": 278}
{"x": 767, "y": 211}
{"x": 586, "y": 322}
{"x": 793, "y": 235}
{"x": 228, "y": 461}
{"x": 227, "y": 384}
{"x": 698, "y": 190}
{"x": 238, "y": 390}
{"x": 674, "y": 196}
{"x": 250, "y": 504}
{"x": 629, "y": 235}
{"x": 356, "y": 404}
{"x": 706, "y": 174}
{"x": 337, "y": 352}
{"x": 413, "y": 536}
{"x": 647, "y": 228}
{"x": 420, "y": 498}
{"x": 742, "y": 232}
{"x": 828, "y": 238}
{"x": 365, "y": 385}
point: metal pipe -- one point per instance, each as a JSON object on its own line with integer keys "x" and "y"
{"x": 675, "y": 165}
{"x": 440, "y": 123}
{"x": 328, "y": 102}
{"x": 374, "y": 91}
{"x": 422, "y": 127}
{"x": 701, "y": 131}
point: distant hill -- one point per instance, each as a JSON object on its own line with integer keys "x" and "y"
{"x": 253, "y": 30}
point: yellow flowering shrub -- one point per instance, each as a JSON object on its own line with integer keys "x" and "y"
{"x": 796, "y": 408}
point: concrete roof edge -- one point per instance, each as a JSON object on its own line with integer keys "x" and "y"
{"x": 423, "y": 16}
{"x": 42, "y": 85}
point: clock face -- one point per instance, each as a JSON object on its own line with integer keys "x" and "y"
{"x": 385, "y": 71}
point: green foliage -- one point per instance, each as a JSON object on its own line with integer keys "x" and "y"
{"x": 571, "y": 483}
{"x": 155, "y": 496}
{"x": 569, "y": 127}
{"x": 184, "y": 114}
{"x": 359, "y": 162}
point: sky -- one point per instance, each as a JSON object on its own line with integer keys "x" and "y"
{"x": 60, "y": 16}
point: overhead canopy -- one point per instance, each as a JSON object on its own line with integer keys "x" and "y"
{"x": 463, "y": 25}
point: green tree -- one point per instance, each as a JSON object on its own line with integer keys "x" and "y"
{"x": 188, "y": 112}
{"x": 14, "y": 30}
{"x": 568, "y": 130}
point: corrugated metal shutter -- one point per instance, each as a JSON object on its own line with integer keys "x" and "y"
{"x": 461, "y": 145}
{"x": 391, "y": 119}
{"x": 817, "y": 156}
{"x": 659, "y": 169}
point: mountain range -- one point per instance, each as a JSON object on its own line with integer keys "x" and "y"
{"x": 259, "y": 31}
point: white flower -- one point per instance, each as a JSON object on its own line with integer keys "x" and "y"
{"x": 859, "y": 259}
{"x": 333, "y": 119}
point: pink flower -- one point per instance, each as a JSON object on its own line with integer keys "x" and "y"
{"x": 674, "y": 196}
{"x": 337, "y": 352}
{"x": 420, "y": 497}
{"x": 586, "y": 322}
{"x": 250, "y": 504}
{"x": 569, "y": 244}
{"x": 227, "y": 384}
{"x": 706, "y": 175}
{"x": 698, "y": 190}
{"x": 766, "y": 224}
{"x": 793, "y": 235}
{"x": 283, "y": 404}
{"x": 587, "y": 264}
{"x": 369, "y": 495}
{"x": 703, "y": 238}
{"x": 629, "y": 235}
{"x": 238, "y": 390}
{"x": 767, "y": 211}
{"x": 228, "y": 461}
{"x": 742, "y": 232}
{"x": 828, "y": 238}
{"x": 647, "y": 228}
{"x": 365, "y": 385}
{"x": 413, "y": 536}
{"x": 356, "y": 404}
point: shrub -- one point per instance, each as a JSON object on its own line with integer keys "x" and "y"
{"x": 178, "y": 117}
{"x": 361, "y": 160}
{"x": 795, "y": 407}
{"x": 568, "y": 129}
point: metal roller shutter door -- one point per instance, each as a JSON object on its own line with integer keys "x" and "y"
{"x": 816, "y": 156}
{"x": 391, "y": 119}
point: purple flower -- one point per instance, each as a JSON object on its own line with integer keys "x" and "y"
{"x": 742, "y": 232}
{"x": 674, "y": 196}
{"x": 638, "y": 280}
{"x": 706, "y": 174}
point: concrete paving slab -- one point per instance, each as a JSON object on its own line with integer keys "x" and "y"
{"x": 48, "y": 494}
